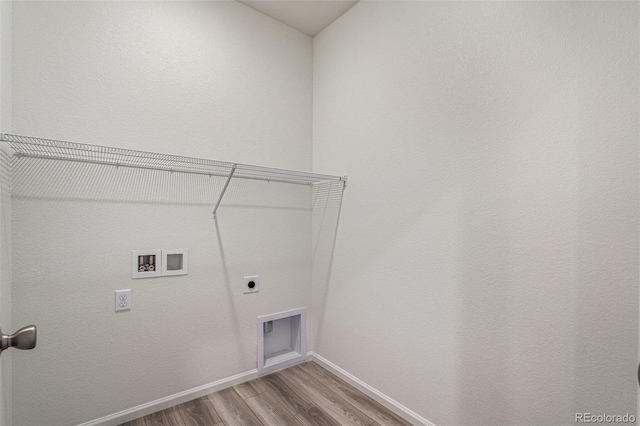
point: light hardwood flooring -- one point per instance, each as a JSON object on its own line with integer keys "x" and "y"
{"x": 305, "y": 394}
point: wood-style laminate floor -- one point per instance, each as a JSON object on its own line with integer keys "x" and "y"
{"x": 305, "y": 394}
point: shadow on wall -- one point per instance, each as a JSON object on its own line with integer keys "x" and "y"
{"x": 229, "y": 286}
{"x": 327, "y": 205}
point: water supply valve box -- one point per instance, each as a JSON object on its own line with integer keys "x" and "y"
{"x": 146, "y": 263}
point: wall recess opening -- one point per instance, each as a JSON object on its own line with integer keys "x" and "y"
{"x": 175, "y": 262}
{"x": 146, "y": 263}
{"x": 281, "y": 339}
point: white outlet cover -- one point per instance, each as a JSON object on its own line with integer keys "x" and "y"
{"x": 247, "y": 280}
{"x": 123, "y": 300}
{"x": 142, "y": 270}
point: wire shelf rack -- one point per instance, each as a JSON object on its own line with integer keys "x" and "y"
{"x": 60, "y": 150}
{"x": 27, "y": 146}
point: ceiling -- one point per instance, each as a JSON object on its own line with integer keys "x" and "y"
{"x": 308, "y": 16}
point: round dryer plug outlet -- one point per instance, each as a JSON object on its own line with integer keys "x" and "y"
{"x": 251, "y": 284}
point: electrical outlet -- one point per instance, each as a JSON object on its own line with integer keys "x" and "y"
{"x": 251, "y": 284}
{"x": 123, "y": 300}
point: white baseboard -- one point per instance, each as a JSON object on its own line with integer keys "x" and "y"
{"x": 178, "y": 398}
{"x": 172, "y": 400}
{"x": 373, "y": 393}
{"x": 190, "y": 394}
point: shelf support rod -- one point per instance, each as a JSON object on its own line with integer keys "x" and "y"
{"x": 215, "y": 209}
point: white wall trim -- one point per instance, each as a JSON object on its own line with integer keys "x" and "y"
{"x": 375, "y": 394}
{"x": 172, "y": 400}
{"x": 190, "y": 394}
{"x": 178, "y": 398}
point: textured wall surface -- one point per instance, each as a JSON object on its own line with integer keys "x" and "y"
{"x": 6, "y": 363}
{"x": 482, "y": 267}
{"x": 485, "y": 268}
{"x": 5, "y": 209}
{"x": 208, "y": 79}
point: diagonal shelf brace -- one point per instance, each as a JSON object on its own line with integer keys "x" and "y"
{"x": 215, "y": 209}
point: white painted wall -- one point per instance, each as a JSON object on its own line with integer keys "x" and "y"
{"x": 5, "y": 209}
{"x": 6, "y": 8}
{"x": 486, "y": 261}
{"x": 207, "y": 79}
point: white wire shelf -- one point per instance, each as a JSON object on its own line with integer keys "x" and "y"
{"x": 60, "y": 150}
{"x": 27, "y": 146}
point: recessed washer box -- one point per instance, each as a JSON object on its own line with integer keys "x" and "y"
{"x": 175, "y": 262}
{"x": 281, "y": 339}
{"x": 146, "y": 263}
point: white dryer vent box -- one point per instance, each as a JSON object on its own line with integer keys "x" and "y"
{"x": 281, "y": 340}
